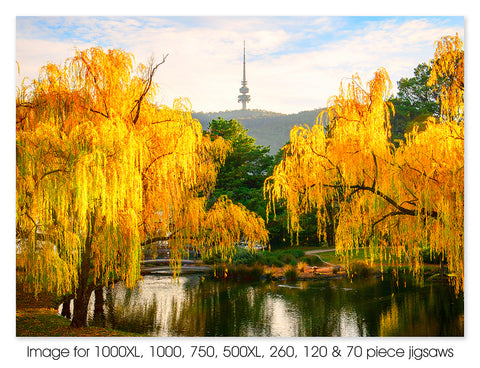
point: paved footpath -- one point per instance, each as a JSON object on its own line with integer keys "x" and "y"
{"x": 314, "y": 253}
{"x": 319, "y": 251}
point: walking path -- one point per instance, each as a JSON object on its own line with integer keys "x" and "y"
{"x": 320, "y": 251}
{"x": 314, "y": 253}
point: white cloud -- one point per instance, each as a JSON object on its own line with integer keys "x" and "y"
{"x": 31, "y": 54}
{"x": 205, "y": 57}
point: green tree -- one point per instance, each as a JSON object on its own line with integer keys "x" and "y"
{"x": 246, "y": 166}
{"x": 422, "y": 98}
{"x": 414, "y": 102}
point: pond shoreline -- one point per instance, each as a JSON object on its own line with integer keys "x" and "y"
{"x": 39, "y": 317}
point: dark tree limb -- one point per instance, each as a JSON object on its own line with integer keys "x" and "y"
{"x": 148, "y": 83}
{"x": 48, "y": 173}
{"x": 403, "y": 210}
{"x": 95, "y": 83}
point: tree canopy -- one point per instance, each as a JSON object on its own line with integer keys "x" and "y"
{"x": 447, "y": 78}
{"x": 398, "y": 202}
{"x": 102, "y": 171}
{"x": 414, "y": 103}
{"x": 415, "y": 90}
{"x": 246, "y": 166}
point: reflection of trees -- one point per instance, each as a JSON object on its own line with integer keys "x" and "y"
{"x": 329, "y": 309}
{"x": 126, "y": 311}
{"x": 222, "y": 309}
{"x": 366, "y": 307}
{"x": 438, "y": 316}
{"x": 98, "y": 311}
{"x": 379, "y": 309}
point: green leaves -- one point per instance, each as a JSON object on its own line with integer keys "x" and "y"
{"x": 246, "y": 166}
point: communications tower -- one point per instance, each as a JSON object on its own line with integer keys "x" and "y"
{"x": 244, "y": 98}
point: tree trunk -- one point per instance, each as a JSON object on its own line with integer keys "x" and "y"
{"x": 80, "y": 307}
{"x": 84, "y": 290}
{"x": 66, "y": 312}
{"x": 443, "y": 268}
{"x": 111, "y": 306}
{"x": 98, "y": 312}
{"x": 331, "y": 226}
{"x": 330, "y": 236}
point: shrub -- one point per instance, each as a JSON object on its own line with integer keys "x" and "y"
{"x": 286, "y": 258}
{"x": 244, "y": 256}
{"x": 276, "y": 258}
{"x": 274, "y": 261}
{"x": 301, "y": 266}
{"x": 268, "y": 275}
{"x": 269, "y": 259}
{"x": 311, "y": 260}
{"x": 213, "y": 258}
{"x": 290, "y": 273}
{"x": 262, "y": 257}
{"x": 296, "y": 253}
{"x": 359, "y": 269}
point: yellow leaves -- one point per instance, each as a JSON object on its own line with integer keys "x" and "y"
{"x": 447, "y": 76}
{"x": 397, "y": 201}
{"x": 434, "y": 163}
{"x": 95, "y": 166}
{"x": 227, "y": 224}
{"x": 364, "y": 111}
{"x": 317, "y": 166}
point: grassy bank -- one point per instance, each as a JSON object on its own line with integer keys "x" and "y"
{"x": 308, "y": 263}
{"x": 277, "y": 258}
{"x": 281, "y": 264}
{"x": 38, "y": 317}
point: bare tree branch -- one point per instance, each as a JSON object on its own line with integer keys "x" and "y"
{"x": 90, "y": 70}
{"x": 148, "y": 83}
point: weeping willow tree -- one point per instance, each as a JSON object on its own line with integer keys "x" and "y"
{"x": 102, "y": 172}
{"x": 398, "y": 202}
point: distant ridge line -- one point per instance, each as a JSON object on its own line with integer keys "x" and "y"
{"x": 267, "y": 127}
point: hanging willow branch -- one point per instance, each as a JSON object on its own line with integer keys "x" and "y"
{"x": 402, "y": 198}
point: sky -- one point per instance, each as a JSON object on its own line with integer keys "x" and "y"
{"x": 293, "y": 63}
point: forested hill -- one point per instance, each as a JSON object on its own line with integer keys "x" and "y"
{"x": 268, "y": 128}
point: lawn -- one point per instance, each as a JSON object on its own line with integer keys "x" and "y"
{"x": 331, "y": 257}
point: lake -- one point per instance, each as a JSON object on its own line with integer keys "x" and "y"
{"x": 195, "y": 306}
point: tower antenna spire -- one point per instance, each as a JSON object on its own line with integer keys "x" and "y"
{"x": 244, "y": 74}
{"x": 244, "y": 97}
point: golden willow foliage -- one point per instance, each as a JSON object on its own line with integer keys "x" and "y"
{"x": 398, "y": 202}
{"x": 101, "y": 170}
{"x": 447, "y": 77}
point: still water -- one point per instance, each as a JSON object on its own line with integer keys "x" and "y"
{"x": 194, "y": 306}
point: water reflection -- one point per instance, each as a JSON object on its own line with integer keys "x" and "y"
{"x": 126, "y": 310}
{"x": 192, "y": 306}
